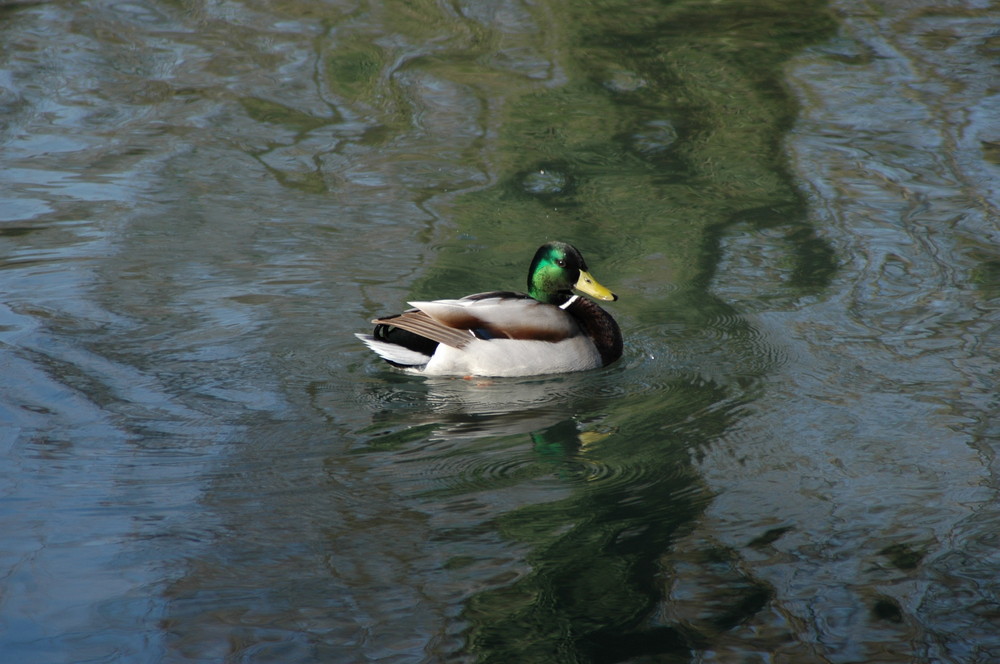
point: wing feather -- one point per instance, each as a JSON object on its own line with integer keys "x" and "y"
{"x": 502, "y": 317}
{"x": 418, "y": 322}
{"x": 485, "y": 316}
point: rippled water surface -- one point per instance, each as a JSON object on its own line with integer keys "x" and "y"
{"x": 794, "y": 461}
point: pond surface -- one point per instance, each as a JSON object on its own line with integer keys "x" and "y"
{"x": 794, "y": 461}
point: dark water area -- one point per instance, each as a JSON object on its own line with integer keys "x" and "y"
{"x": 794, "y": 461}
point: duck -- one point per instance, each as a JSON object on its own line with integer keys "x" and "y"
{"x": 548, "y": 330}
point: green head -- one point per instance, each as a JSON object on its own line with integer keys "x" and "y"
{"x": 556, "y": 270}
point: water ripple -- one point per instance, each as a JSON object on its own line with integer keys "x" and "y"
{"x": 553, "y": 462}
{"x": 595, "y": 471}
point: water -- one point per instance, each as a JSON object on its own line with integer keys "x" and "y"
{"x": 793, "y": 462}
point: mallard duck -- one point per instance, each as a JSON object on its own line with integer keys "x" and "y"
{"x": 547, "y": 330}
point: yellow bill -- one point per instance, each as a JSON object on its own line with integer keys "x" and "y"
{"x": 588, "y": 285}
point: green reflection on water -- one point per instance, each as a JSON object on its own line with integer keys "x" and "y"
{"x": 666, "y": 133}
{"x": 355, "y": 69}
{"x": 595, "y": 553}
{"x": 659, "y": 134}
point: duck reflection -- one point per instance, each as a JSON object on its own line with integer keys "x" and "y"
{"x": 580, "y": 483}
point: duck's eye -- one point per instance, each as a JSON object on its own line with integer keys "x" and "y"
{"x": 561, "y": 262}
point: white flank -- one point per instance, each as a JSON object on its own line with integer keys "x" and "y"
{"x": 514, "y": 357}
